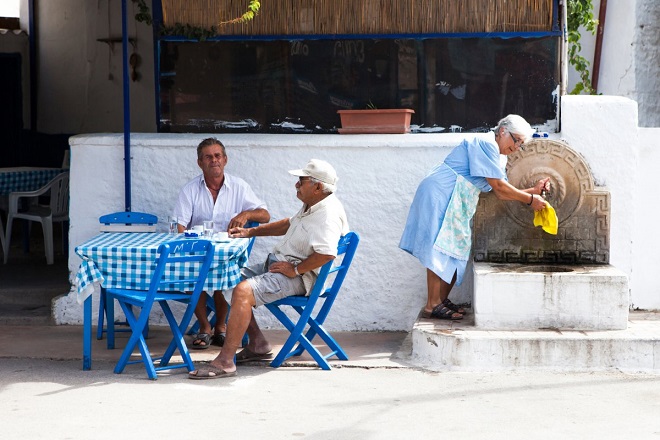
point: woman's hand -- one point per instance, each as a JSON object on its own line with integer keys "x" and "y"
{"x": 542, "y": 185}
{"x": 538, "y": 202}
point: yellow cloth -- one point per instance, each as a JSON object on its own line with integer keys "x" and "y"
{"x": 547, "y": 219}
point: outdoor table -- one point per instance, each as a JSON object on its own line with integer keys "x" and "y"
{"x": 25, "y": 178}
{"x": 127, "y": 260}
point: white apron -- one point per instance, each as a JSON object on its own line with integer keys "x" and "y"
{"x": 455, "y": 236}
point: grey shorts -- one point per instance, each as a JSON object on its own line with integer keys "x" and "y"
{"x": 268, "y": 287}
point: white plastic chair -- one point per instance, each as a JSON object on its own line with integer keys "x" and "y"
{"x": 56, "y": 211}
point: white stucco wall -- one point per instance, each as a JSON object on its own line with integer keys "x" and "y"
{"x": 646, "y": 254}
{"x": 80, "y": 78}
{"x": 378, "y": 177}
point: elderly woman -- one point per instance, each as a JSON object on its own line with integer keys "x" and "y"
{"x": 438, "y": 230}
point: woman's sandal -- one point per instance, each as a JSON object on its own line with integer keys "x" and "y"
{"x": 442, "y": 312}
{"x": 451, "y": 306}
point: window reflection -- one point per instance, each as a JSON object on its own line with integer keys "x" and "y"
{"x": 297, "y": 86}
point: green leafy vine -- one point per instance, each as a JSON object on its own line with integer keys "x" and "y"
{"x": 580, "y": 14}
{"x": 195, "y": 32}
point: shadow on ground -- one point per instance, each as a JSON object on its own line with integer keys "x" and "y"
{"x": 27, "y": 284}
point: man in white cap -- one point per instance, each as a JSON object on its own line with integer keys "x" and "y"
{"x": 310, "y": 240}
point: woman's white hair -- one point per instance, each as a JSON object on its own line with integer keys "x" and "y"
{"x": 517, "y": 125}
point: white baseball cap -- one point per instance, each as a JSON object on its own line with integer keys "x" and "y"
{"x": 319, "y": 170}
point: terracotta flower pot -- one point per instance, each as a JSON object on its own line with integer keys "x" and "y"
{"x": 394, "y": 121}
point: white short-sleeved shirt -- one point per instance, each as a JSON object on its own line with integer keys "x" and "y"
{"x": 195, "y": 202}
{"x": 316, "y": 230}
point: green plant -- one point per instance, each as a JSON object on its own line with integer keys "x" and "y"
{"x": 580, "y": 14}
{"x": 196, "y": 32}
{"x": 143, "y": 15}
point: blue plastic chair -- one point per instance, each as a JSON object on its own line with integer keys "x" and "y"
{"x": 210, "y": 305}
{"x": 120, "y": 222}
{"x": 167, "y": 284}
{"x": 304, "y": 305}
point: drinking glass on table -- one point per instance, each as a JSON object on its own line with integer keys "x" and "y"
{"x": 174, "y": 224}
{"x": 208, "y": 229}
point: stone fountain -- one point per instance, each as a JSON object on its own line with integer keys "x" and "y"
{"x": 541, "y": 301}
{"x": 525, "y": 278}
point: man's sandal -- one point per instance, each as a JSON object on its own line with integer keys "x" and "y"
{"x": 442, "y": 312}
{"x": 202, "y": 341}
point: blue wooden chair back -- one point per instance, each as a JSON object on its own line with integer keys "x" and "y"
{"x": 123, "y": 221}
{"x": 304, "y": 306}
{"x": 128, "y": 221}
{"x": 167, "y": 284}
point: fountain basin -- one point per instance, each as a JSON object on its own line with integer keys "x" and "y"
{"x": 531, "y": 297}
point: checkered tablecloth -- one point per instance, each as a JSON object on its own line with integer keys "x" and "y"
{"x": 25, "y": 178}
{"x": 127, "y": 260}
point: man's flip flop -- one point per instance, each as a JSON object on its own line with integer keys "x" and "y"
{"x": 210, "y": 372}
{"x": 246, "y": 355}
{"x": 204, "y": 338}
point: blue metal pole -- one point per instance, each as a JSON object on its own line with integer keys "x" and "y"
{"x": 127, "y": 109}
{"x": 32, "y": 39}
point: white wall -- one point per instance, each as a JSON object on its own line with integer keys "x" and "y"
{"x": 80, "y": 78}
{"x": 646, "y": 248}
{"x": 378, "y": 177}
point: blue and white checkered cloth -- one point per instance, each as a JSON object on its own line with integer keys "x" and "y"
{"x": 25, "y": 178}
{"x": 127, "y": 261}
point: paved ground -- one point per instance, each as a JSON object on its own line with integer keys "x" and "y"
{"x": 44, "y": 394}
{"x": 376, "y": 395}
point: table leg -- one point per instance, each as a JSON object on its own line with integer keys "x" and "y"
{"x": 87, "y": 333}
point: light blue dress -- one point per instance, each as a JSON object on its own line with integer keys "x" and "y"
{"x": 474, "y": 160}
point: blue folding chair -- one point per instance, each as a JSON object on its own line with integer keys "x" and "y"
{"x": 120, "y": 222}
{"x": 210, "y": 305}
{"x": 304, "y": 305}
{"x": 169, "y": 283}
{"x": 126, "y": 221}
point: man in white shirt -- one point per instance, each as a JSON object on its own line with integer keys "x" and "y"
{"x": 310, "y": 240}
{"x": 228, "y": 201}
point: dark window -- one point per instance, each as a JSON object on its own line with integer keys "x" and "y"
{"x": 298, "y": 86}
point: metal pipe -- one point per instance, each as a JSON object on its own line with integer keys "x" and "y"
{"x": 599, "y": 44}
{"x": 564, "y": 47}
{"x": 32, "y": 41}
{"x": 127, "y": 109}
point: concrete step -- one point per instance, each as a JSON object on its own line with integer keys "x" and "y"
{"x": 460, "y": 346}
{"x": 16, "y": 314}
{"x": 30, "y": 296}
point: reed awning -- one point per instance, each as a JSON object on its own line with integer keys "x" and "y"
{"x": 368, "y": 17}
